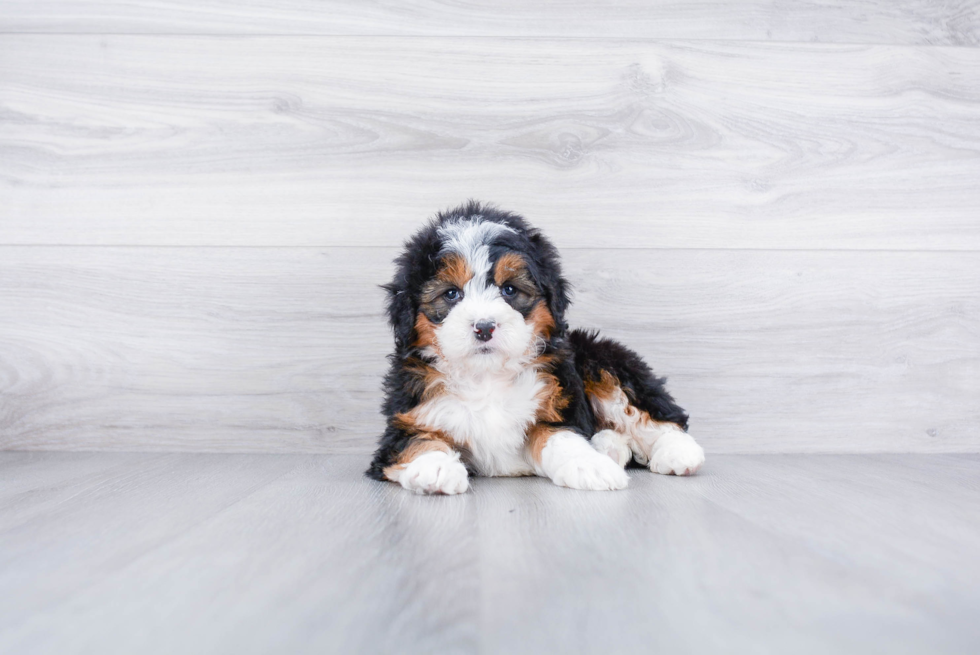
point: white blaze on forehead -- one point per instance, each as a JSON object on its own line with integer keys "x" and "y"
{"x": 513, "y": 338}
{"x": 471, "y": 238}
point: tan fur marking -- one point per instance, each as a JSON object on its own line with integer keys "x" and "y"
{"x": 603, "y": 389}
{"x": 508, "y": 264}
{"x": 455, "y": 270}
{"x": 426, "y": 332}
{"x": 537, "y": 439}
{"x": 426, "y": 380}
{"x": 423, "y": 444}
{"x": 433, "y": 384}
{"x": 606, "y": 390}
{"x": 542, "y": 320}
{"x": 408, "y": 421}
{"x": 605, "y": 386}
{"x": 551, "y": 399}
{"x": 543, "y": 361}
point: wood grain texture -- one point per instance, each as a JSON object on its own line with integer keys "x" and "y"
{"x": 841, "y": 21}
{"x": 143, "y": 140}
{"x": 282, "y": 350}
{"x": 301, "y": 554}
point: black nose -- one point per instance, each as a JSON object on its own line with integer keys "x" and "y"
{"x": 484, "y": 330}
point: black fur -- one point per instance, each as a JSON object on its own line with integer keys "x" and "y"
{"x": 575, "y": 355}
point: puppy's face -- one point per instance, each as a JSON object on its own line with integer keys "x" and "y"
{"x": 483, "y": 307}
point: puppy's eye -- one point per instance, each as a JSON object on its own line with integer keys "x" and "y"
{"x": 508, "y": 290}
{"x": 452, "y": 295}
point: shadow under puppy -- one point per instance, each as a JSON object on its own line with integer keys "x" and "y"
{"x": 486, "y": 378}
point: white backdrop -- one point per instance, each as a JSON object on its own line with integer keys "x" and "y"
{"x": 779, "y": 208}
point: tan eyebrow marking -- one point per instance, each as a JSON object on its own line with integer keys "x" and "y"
{"x": 455, "y": 270}
{"x": 508, "y": 264}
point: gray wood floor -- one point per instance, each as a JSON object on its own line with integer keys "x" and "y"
{"x": 222, "y": 553}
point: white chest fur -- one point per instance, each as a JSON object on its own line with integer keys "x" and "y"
{"x": 490, "y": 414}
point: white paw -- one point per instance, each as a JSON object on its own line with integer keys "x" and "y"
{"x": 594, "y": 473}
{"x": 435, "y": 473}
{"x": 612, "y": 444}
{"x": 676, "y": 453}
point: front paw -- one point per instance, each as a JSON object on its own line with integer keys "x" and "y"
{"x": 435, "y": 473}
{"x": 593, "y": 473}
{"x": 677, "y": 453}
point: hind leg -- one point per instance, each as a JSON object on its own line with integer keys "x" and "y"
{"x": 613, "y": 444}
{"x": 629, "y": 400}
{"x": 661, "y": 445}
{"x": 666, "y": 448}
{"x": 663, "y": 448}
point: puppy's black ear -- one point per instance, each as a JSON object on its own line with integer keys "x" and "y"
{"x": 559, "y": 301}
{"x": 401, "y": 313}
{"x": 555, "y": 286}
{"x": 413, "y": 268}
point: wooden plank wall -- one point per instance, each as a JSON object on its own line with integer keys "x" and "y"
{"x": 777, "y": 203}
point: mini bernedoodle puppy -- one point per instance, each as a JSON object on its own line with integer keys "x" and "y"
{"x": 486, "y": 378}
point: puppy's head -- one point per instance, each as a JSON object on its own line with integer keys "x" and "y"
{"x": 477, "y": 288}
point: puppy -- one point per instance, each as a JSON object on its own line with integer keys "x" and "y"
{"x": 486, "y": 378}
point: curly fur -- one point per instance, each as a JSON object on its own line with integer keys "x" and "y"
{"x": 500, "y": 407}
